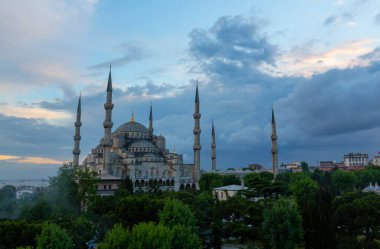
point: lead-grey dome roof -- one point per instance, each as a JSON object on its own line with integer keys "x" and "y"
{"x": 132, "y": 126}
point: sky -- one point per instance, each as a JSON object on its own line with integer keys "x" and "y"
{"x": 316, "y": 62}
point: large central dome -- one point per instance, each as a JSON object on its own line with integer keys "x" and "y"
{"x": 132, "y": 126}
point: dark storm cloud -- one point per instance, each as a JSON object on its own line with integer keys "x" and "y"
{"x": 340, "y": 101}
{"x": 32, "y": 137}
{"x": 233, "y": 46}
{"x": 131, "y": 53}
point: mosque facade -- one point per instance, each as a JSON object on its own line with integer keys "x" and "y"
{"x": 133, "y": 150}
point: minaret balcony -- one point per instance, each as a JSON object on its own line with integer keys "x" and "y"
{"x": 108, "y": 106}
{"x": 77, "y": 137}
{"x": 197, "y": 147}
{"x": 197, "y": 115}
{"x": 76, "y": 152}
{"x": 107, "y": 124}
{"x": 197, "y": 131}
{"x": 78, "y": 124}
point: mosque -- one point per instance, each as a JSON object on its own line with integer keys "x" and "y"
{"x": 134, "y": 151}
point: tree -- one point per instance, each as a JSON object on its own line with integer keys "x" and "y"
{"x": 15, "y": 233}
{"x": 282, "y": 225}
{"x": 176, "y": 213}
{"x": 181, "y": 220}
{"x": 116, "y": 238}
{"x": 54, "y": 237}
{"x": 358, "y": 220}
{"x": 258, "y": 184}
{"x": 73, "y": 188}
{"x": 209, "y": 181}
{"x": 343, "y": 181}
{"x": 305, "y": 166}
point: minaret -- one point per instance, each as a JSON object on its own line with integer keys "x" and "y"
{"x": 150, "y": 129}
{"x": 274, "y": 146}
{"x": 107, "y": 124}
{"x": 78, "y": 124}
{"x": 197, "y": 134}
{"x": 213, "y": 146}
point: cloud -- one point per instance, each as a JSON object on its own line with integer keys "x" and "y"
{"x": 57, "y": 117}
{"x": 131, "y": 53}
{"x": 29, "y": 160}
{"x": 330, "y": 20}
{"x": 339, "y": 101}
{"x": 307, "y": 60}
{"x": 234, "y": 45}
{"x": 377, "y": 18}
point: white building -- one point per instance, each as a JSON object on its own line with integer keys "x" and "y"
{"x": 355, "y": 159}
{"x": 376, "y": 160}
{"x": 226, "y": 192}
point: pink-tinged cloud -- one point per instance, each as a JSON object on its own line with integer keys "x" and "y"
{"x": 37, "y": 113}
{"x": 29, "y": 160}
{"x": 302, "y": 62}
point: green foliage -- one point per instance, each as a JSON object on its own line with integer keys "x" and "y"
{"x": 150, "y": 236}
{"x": 358, "y": 220}
{"x": 367, "y": 176}
{"x": 259, "y": 184}
{"x": 283, "y": 225}
{"x": 18, "y": 233}
{"x": 176, "y": 213}
{"x": 79, "y": 228}
{"x": 127, "y": 184}
{"x": 344, "y": 181}
{"x": 304, "y": 189}
{"x": 209, "y": 181}
{"x": 116, "y": 238}
{"x": 7, "y": 201}
{"x": 41, "y": 211}
{"x": 53, "y": 237}
{"x": 305, "y": 166}
{"x": 184, "y": 238}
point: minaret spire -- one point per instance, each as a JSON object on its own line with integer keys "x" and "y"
{"x": 213, "y": 146}
{"x": 150, "y": 129}
{"x": 107, "y": 124}
{"x": 78, "y": 124}
{"x": 274, "y": 146}
{"x": 197, "y": 134}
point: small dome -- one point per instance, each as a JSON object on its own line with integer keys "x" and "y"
{"x": 132, "y": 127}
{"x": 142, "y": 144}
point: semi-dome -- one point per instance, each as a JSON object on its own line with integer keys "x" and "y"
{"x": 132, "y": 126}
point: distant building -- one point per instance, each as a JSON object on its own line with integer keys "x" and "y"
{"x": 373, "y": 188}
{"x": 293, "y": 167}
{"x": 25, "y": 192}
{"x": 327, "y": 166}
{"x": 376, "y": 160}
{"x": 355, "y": 159}
{"x": 255, "y": 166}
{"x": 226, "y": 192}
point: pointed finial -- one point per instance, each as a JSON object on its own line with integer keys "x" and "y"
{"x": 273, "y": 119}
{"x": 109, "y": 85}
{"x": 213, "y": 130}
{"x": 196, "y": 94}
{"x": 79, "y": 109}
{"x": 133, "y": 117}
